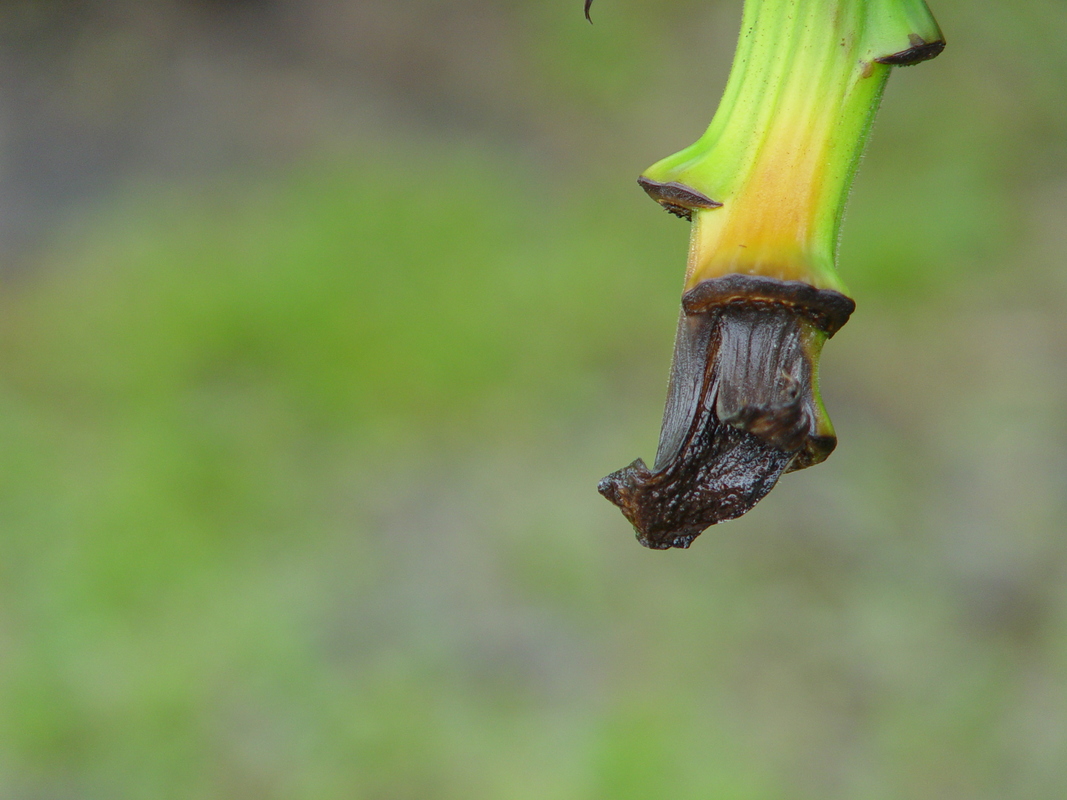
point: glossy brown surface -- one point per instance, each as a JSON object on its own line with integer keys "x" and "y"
{"x": 742, "y": 406}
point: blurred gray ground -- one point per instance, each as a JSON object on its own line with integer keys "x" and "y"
{"x": 100, "y": 93}
{"x": 322, "y": 320}
{"x": 97, "y": 93}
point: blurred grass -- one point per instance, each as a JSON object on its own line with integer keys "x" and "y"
{"x": 298, "y": 489}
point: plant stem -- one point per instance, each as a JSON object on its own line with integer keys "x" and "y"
{"x": 783, "y": 147}
{"x": 765, "y": 188}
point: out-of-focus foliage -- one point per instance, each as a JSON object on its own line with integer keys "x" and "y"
{"x": 300, "y": 423}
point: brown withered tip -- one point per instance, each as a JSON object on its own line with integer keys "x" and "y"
{"x": 742, "y": 406}
{"x": 588, "y": 5}
{"x": 920, "y": 50}
{"x": 677, "y": 198}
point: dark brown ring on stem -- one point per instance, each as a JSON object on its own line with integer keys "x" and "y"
{"x": 677, "y": 198}
{"x": 829, "y": 310}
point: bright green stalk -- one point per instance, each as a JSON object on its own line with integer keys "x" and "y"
{"x": 783, "y": 146}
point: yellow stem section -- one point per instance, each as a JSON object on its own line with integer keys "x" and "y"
{"x": 780, "y": 219}
{"x": 783, "y": 147}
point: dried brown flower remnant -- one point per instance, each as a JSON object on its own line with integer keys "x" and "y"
{"x": 743, "y": 406}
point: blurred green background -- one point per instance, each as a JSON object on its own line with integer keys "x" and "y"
{"x": 320, "y": 321}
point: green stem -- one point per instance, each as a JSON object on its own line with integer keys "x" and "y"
{"x": 782, "y": 149}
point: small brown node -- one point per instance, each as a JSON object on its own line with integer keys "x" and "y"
{"x": 677, "y": 198}
{"x": 920, "y": 50}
